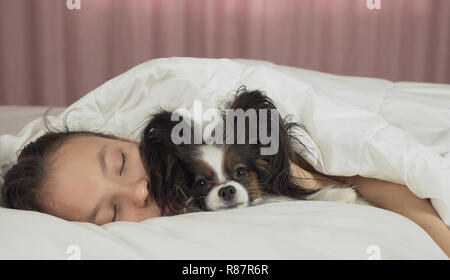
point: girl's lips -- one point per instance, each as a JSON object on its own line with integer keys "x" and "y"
{"x": 166, "y": 210}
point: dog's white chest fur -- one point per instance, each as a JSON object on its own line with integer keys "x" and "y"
{"x": 334, "y": 193}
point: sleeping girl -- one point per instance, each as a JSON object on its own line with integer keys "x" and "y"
{"x": 100, "y": 178}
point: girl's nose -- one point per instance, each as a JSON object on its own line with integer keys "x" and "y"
{"x": 138, "y": 193}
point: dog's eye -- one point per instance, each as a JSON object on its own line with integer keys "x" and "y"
{"x": 200, "y": 183}
{"x": 240, "y": 172}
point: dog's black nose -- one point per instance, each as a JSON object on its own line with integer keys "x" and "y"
{"x": 227, "y": 193}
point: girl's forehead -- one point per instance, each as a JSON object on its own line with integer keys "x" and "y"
{"x": 73, "y": 178}
{"x": 72, "y": 148}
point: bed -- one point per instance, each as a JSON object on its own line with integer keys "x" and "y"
{"x": 349, "y": 120}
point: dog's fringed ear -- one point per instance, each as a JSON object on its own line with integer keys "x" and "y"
{"x": 259, "y": 102}
{"x": 177, "y": 191}
{"x": 248, "y": 100}
{"x": 160, "y": 156}
{"x": 277, "y": 173}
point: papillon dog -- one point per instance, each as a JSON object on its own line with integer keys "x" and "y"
{"x": 235, "y": 172}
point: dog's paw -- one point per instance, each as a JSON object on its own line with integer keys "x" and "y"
{"x": 347, "y": 195}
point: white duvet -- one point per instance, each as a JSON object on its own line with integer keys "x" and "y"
{"x": 375, "y": 128}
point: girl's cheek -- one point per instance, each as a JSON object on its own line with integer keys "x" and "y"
{"x": 137, "y": 162}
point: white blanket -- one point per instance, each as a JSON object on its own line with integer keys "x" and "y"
{"x": 375, "y": 128}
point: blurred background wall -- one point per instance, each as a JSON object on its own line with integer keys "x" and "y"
{"x": 52, "y": 55}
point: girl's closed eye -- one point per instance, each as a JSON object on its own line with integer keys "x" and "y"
{"x": 115, "y": 213}
{"x": 124, "y": 161}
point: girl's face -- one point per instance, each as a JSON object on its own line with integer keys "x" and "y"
{"x": 98, "y": 180}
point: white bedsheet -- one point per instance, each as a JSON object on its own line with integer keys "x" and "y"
{"x": 281, "y": 230}
{"x": 372, "y": 127}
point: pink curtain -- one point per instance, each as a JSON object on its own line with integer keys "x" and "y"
{"x": 51, "y": 55}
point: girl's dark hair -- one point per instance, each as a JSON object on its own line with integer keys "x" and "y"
{"x": 23, "y": 183}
